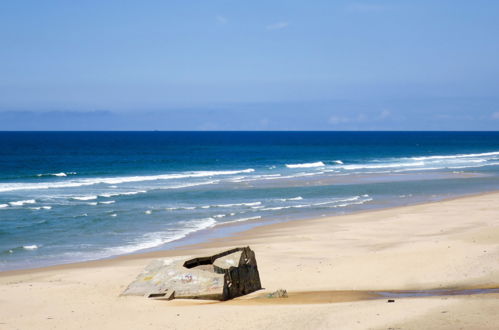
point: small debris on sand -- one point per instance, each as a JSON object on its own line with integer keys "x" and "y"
{"x": 281, "y": 293}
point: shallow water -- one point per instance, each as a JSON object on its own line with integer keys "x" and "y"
{"x": 73, "y": 196}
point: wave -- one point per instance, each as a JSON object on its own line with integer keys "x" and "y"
{"x": 230, "y": 205}
{"x": 338, "y": 162}
{"x": 107, "y": 202}
{"x": 344, "y": 202}
{"x": 115, "y": 180}
{"x": 3, "y": 206}
{"x": 41, "y": 208}
{"x": 485, "y": 154}
{"x": 376, "y": 166}
{"x": 152, "y": 240}
{"x": 180, "y": 208}
{"x": 30, "y": 247}
{"x": 61, "y": 174}
{"x": 21, "y": 203}
{"x": 127, "y": 193}
{"x": 305, "y": 165}
{"x": 299, "y": 198}
{"x": 239, "y": 204}
{"x": 85, "y": 198}
{"x": 242, "y": 219}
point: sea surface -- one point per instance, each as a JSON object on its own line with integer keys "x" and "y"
{"x": 74, "y": 196}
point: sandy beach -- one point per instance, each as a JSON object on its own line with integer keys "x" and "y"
{"x": 328, "y": 265}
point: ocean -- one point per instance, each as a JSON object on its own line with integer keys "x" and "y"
{"x": 75, "y": 196}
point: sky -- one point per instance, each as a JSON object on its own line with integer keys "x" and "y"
{"x": 249, "y": 65}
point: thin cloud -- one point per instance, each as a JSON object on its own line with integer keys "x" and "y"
{"x": 384, "y": 114}
{"x": 277, "y": 26}
{"x": 221, "y": 19}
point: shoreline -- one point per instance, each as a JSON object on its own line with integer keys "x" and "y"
{"x": 330, "y": 267}
{"x": 159, "y": 252}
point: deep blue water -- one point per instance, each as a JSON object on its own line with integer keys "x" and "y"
{"x": 71, "y": 196}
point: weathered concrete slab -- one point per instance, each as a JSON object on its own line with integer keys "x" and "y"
{"x": 222, "y": 276}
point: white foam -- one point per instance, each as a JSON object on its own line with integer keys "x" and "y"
{"x": 276, "y": 208}
{"x": 21, "y": 203}
{"x": 148, "y": 212}
{"x": 84, "y": 198}
{"x": 92, "y": 203}
{"x": 133, "y": 193}
{"x": 60, "y": 174}
{"x": 114, "y": 180}
{"x": 180, "y": 208}
{"x": 299, "y": 198}
{"x": 380, "y": 166}
{"x": 41, "y": 208}
{"x": 112, "y": 215}
{"x": 239, "y": 204}
{"x": 243, "y": 219}
{"x": 338, "y": 162}
{"x": 107, "y": 202}
{"x": 3, "y": 206}
{"x": 485, "y": 154}
{"x": 30, "y": 247}
{"x": 305, "y": 165}
{"x": 187, "y": 185}
{"x": 107, "y": 195}
{"x": 151, "y": 240}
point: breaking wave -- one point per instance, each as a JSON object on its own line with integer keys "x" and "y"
{"x": 114, "y": 180}
{"x": 305, "y": 165}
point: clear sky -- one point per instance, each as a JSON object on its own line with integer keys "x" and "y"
{"x": 325, "y": 65}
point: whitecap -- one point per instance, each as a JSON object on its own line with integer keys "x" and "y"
{"x": 21, "y": 203}
{"x": 30, "y": 247}
{"x": 485, "y": 154}
{"x": 305, "y": 165}
{"x": 148, "y": 212}
{"x": 60, "y": 174}
{"x": 84, "y": 198}
{"x": 239, "y": 204}
{"x": 299, "y": 198}
{"x": 115, "y": 180}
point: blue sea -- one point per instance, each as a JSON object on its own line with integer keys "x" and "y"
{"x": 75, "y": 196}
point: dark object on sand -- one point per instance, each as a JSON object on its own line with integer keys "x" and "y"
{"x": 391, "y": 300}
{"x": 281, "y": 293}
{"x": 222, "y": 276}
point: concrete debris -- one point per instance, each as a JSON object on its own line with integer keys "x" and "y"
{"x": 222, "y": 276}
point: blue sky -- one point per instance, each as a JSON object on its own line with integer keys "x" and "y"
{"x": 217, "y": 65}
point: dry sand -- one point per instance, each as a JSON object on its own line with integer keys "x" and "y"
{"x": 326, "y": 264}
